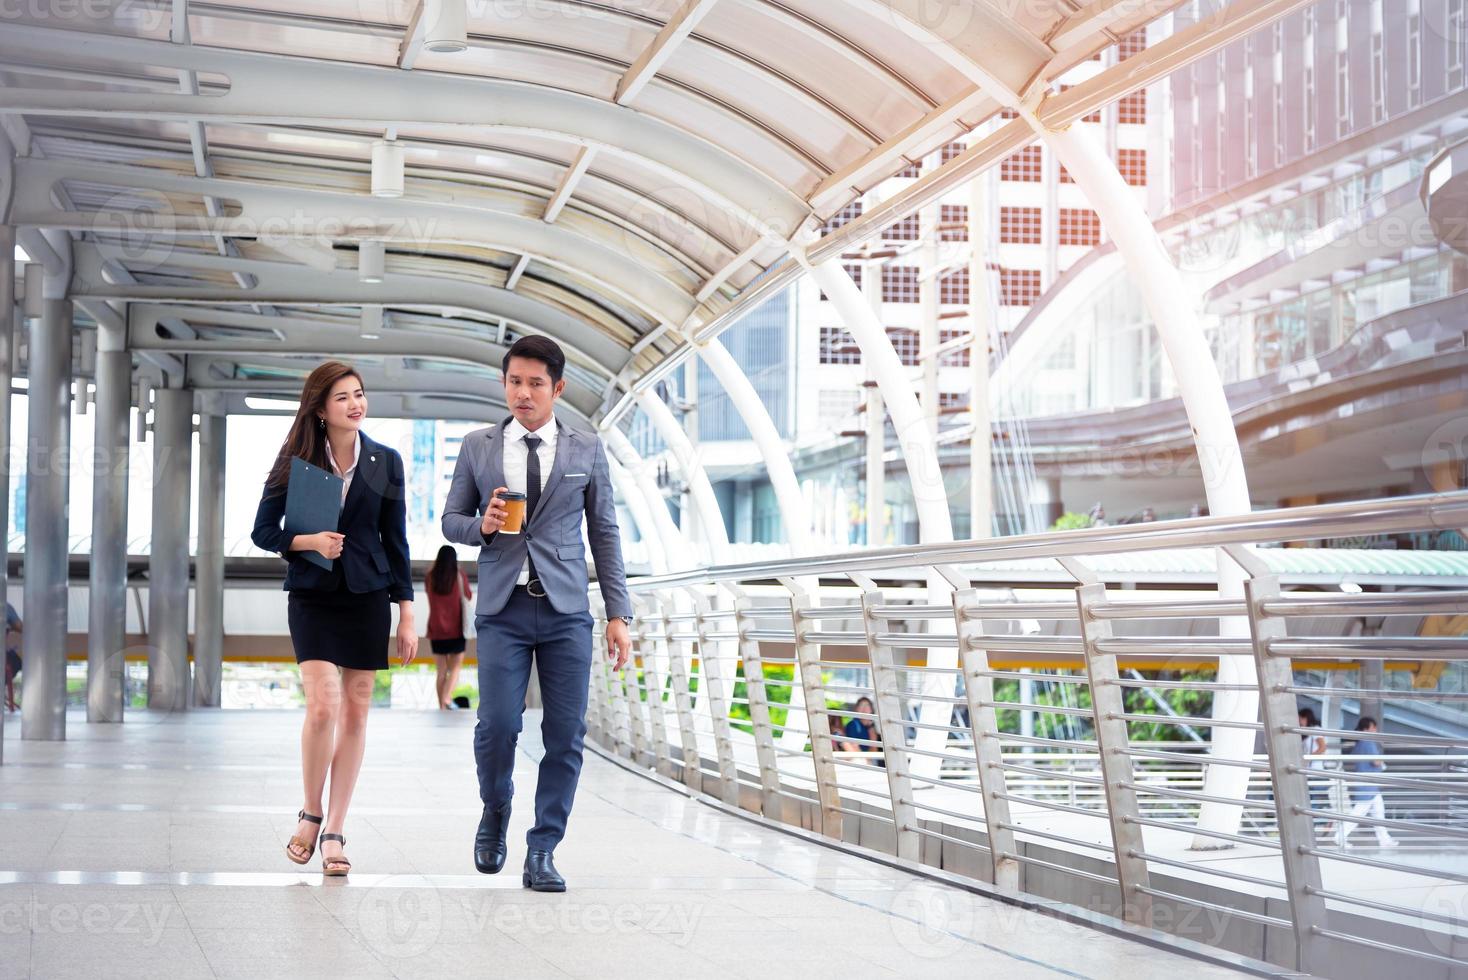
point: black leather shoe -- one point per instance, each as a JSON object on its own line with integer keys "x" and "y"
{"x": 489, "y": 842}
{"x": 541, "y": 874}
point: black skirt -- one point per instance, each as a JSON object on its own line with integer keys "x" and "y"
{"x": 453, "y": 645}
{"x": 349, "y": 629}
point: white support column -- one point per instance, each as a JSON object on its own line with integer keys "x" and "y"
{"x": 107, "y": 583}
{"x": 168, "y": 562}
{"x": 920, "y": 454}
{"x": 980, "y": 304}
{"x": 1174, "y": 311}
{"x": 874, "y": 481}
{"x": 48, "y": 478}
{"x": 8, "y": 323}
{"x": 794, "y": 511}
{"x": 711, "y": 519}
{"x": 919, "y": 447}
{"x": 928, "y": 332}
{"x": 209, "y": 569}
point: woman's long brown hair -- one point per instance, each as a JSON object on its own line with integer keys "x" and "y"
{"x": 307, "y": 437}
{"x": 443, "y": 576}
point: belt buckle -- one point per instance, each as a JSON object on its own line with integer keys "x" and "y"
{"x": 531, "y": 587}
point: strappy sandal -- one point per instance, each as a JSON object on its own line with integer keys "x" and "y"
{"x": 302, "y": 843}
{"x": 335, "y": 867}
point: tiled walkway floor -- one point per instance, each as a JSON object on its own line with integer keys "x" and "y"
{"x": 154, "y": 848}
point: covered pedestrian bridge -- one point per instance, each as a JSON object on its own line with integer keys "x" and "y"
{"x": 215, "y": 196}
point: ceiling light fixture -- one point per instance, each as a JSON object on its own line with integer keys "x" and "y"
{"x": 387, "y": 168}
{"x": 446, "y": 26}
{"x": 371, "y": 326}
{"x": 371, "y": 258}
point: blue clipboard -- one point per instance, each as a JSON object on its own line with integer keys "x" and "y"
{"x": 313, "y": 502}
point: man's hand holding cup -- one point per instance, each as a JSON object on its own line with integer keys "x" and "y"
{"x": 505, "y": 513}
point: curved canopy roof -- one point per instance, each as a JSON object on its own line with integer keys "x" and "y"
{"x": 617, "y": 174}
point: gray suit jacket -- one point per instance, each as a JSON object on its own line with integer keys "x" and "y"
{"x": 579, "y": 486}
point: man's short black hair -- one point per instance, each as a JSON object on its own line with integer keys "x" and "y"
{"x": 541, "y": 349}
{"x": 1366, "y": 722}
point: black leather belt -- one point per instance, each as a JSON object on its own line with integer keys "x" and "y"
{"x": 533, "y": 588}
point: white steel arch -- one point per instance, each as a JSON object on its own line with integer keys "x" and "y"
{"x": 794, "y": 511}
{"x": 710, "y": 517}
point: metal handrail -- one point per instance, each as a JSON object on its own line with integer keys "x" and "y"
{"x": 1441, "y": 511}
{"x": 932, "y": 764}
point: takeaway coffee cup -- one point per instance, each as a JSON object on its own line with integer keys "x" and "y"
{"x": 515, "y": 507}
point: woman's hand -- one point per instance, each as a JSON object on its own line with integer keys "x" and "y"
{"x": 407, "y": 634}
{"x": 328, "y": 543}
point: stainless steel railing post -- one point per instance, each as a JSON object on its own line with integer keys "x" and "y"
{"x": 679, "y": 651}
{"x": 596, "y": 714}
{"x": 648, "y": 650}
{"x": 983, "y": 725}
{"x": 808, "y": 668}
{"x": 890, "y": 720}
{"x": 639, "y": 751}
{"x": 759, "y": 704}
{"x": 1286, "y": 763}
{"x": 715, "y": 690}
{"x": 1111, "y": 745}
{"x": 621, "y": 715}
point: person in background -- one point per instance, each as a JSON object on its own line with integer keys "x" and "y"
{"x": 448, "y": 590}
{"x": 838, "y": 736}
{"x": 1366, "y": 800}
{"x": 13, "y": 628}
{"x": 1314, "y": 745}
{"x": 863, "y": 725}
{"x": 1311, "y": 744}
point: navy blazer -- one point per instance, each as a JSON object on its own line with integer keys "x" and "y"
{"x": 374, "y": 521}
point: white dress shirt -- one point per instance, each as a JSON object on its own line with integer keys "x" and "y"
{"x": 351, "y": 471}
{"x": 516, "y": 463}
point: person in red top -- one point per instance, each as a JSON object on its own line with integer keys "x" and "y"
{"x": 448, "y": 590}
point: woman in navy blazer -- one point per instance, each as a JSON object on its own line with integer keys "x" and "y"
{"x": 340, "y": 617}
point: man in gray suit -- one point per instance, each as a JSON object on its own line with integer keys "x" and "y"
{"x": 533, "y": 603}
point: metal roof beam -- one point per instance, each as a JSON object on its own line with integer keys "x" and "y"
{"x": 281, "y": 211}
{"x": 395, "y": 391}
{"x": 290, "y": 91}
{"x": 291, "y": 284}
{"x": 1113, "y": 18}
{"x": 987, "y": 45}
{"x": 674, "y": 32}
{"x": 388, "y": 403}
{"x": 567, "y": 187}
{"x": 412, "y": 44}
{"x": 896, "y": 152}
{"x": 303, "y": 335}
{"x": 521, "y": 264}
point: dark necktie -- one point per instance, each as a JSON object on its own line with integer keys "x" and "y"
{"x": 532, "y": 474}
{"x": 532, "y": 487}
